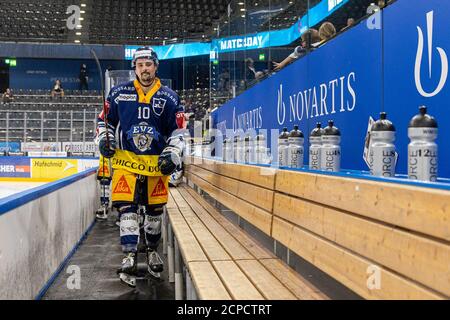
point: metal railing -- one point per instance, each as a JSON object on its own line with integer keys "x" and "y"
{"x": 48, "y": 126}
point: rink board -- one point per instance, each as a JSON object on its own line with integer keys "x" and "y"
{"x": 40, "y": 228}
{"x": 41, "y": 169}
{"x": 8, "y": 188}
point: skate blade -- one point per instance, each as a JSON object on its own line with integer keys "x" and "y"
{"x": 127, "y": 279}
{"x": 101, "y": 217}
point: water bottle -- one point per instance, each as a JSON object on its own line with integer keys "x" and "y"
{"x": 206, "y": 149}
{"x": 422, "y": 149}
{"x": 283, "y": 148}
{"x": 252, "y": 151}
{"x": 247, "y": 148}
{"x": 315, "y": 140}
{"x": 295, "y": 141}
{"x": 261, "y": 150}
{"x": 230, "y": 149}
{"x": 382, "y": 148}
{"x": 227, "y": 151}
{"x": 224, "y": 150}
{"x": 235, "y": 149}
{"x": 330, "y": 156}
{"x": 240, "y": 150}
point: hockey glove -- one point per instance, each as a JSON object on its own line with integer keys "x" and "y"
{"x": 107, "y": 151}
{"x": 169, "y": 160}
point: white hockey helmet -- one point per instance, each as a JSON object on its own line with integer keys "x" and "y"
{"x": 144, "y": 52}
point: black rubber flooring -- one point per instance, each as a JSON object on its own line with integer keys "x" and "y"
{"x": 98, "y": 258}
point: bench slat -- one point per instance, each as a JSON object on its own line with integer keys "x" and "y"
{"x": 189, "y": 247}
{"x": 257, "y": 196}
{"x": 418, "y": 258}
{"x": 260, "y": 176}
{"x": 210, "y": 245}
{"x": 171, "y": 202}
{"x": 421, "y": 209}
{"x": 346, "y": 267}
{"x": 233, "y": 247}
{"x": 179, "y": 200}
{"x": 237, "y": 283}
{"x": 245, "y": 240}
{"x": 268, "y": 285}
{"x": 301, "y": 287}
{"x": 259, "y": 218}
{"x": 207, "y": 283}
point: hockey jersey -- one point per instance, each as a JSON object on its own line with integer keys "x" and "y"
{"x": 141, "y": 124}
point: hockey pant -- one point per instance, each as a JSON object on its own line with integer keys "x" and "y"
{"x": 128, "y": 192}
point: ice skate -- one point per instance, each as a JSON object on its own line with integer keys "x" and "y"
{"x": 127, "y": 272}
{"x": 102, "y": 213}
{"x": 155, "y": 265}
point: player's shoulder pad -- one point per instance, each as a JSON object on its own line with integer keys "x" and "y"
{"x": 123, "y": 88}
{"x": 168, "y": 94}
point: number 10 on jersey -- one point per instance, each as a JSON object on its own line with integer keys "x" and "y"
{"x": 143, "y": 112}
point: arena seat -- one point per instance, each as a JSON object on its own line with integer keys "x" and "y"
{"x": 199, "y": 98}
{"x": 42, "y": 21}
{"x": 48, "y": 22}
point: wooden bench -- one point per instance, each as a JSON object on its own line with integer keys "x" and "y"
{"x": 381, "y": 240}
{"x": 221, "y": 261}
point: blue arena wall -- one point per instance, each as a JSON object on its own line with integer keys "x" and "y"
{"x": 356, "y": 75}
{"x": 42, "y": 73}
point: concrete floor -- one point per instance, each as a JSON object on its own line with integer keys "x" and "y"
{"x": 98, "y": 258}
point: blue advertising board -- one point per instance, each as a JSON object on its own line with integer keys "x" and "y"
{"x": 10, "y": 146}
{"x": 174, "y": 50}
{"x": 357, "y": 75}
{"x": 416, "y": 54}
{"x": 15, "y": 167}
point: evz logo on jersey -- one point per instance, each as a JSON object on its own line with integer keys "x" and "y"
{"x": 158, "y": 105}
{"x": 143, "y": 136}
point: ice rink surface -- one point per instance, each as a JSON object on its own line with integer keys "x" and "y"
{"x": 8, "y": 188}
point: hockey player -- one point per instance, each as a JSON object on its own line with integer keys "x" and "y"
{"x": 144, "y": 122}
{"x": 104, "y": 178}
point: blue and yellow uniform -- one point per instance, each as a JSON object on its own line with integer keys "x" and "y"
{"x": 141, "y": 125}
